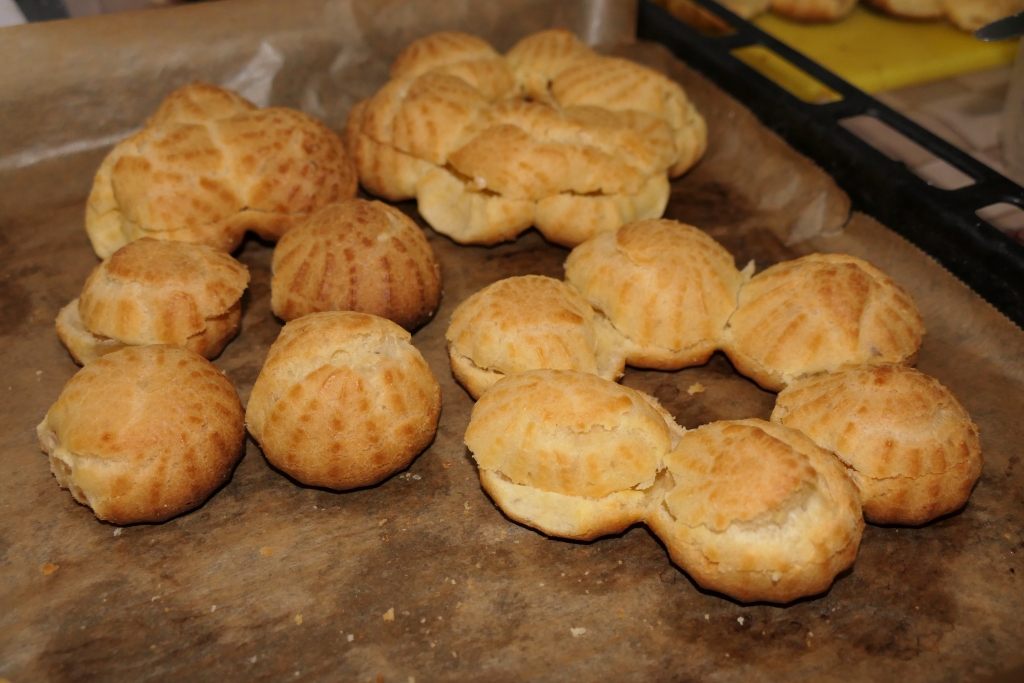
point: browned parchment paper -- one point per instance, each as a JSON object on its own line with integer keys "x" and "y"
{"x": 274, "y": 581}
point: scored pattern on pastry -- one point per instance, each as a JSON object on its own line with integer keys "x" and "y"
{"x": 356, "y": 256}
{"x": 528, "y": 322}
{"x": 552, "y": 135}
{"x": 752, "y": 509}
{"x": 908, "y": 444}
{"x": 156, "y": 292}
{"x": 144, "y": 433}
{"x": 343, "y": 400}
{"x": 209, "y": 166}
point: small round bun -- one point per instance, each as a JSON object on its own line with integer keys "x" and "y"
{"x": 344, "y": 400}
{"x": 758, "y": 512}
{"x": 156, "y": 292}
{"x": 908, "y": 444}
{"x": 528, "y": 323}
{"x": 816, "y": 314}
{"x": 667, "y": 286}
{"x": 569, "y": 453}
{"x": 357, "y": 256}
{"x": 144, "y": 433}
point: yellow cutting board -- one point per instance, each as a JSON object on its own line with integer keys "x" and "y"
{"x": 876, "y": 52}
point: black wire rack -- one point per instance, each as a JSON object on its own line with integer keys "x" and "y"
{"x": 943, "y": 223}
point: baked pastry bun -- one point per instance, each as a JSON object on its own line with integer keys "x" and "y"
{"x": 144, "y": 433}
{"x": 344, "y": 400}
{"x": 552, "y": 135}
{"x": 907, "y": 443}
{"x": 356, "y": 256}
{"x": 757, "y": 511}
{"x": 209, "y": 166}
{"x": 910, "y": 9}
{"x": 156, "y": 292}
{"x": 813, "y": 10}
{"x": 666, "y": 286}
{"x": 528, "y": 323}
{"x": 569, "y": 453}
{"x": 816, "y": 314}
{"x": 966, "y": 15}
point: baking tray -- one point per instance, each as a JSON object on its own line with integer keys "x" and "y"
{"x": 943, "y": 223}
{"x": 270, "y": 581}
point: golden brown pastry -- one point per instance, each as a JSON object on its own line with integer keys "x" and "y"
{"x": 816, "y": 314}
{"x": 357, "y": 256}
{"x": 528, "y": 323}
{"x": 907, "y": 443}
{"x": 813, "y": 10}
{"x": 966, "y": 15}
{"x": 552, "y": 135}
{"x": 910, "y": 9}
{"x": 144, "y": 434}
{"x": 210, "y": 166}
{"x": 156, "y": 292}
{"x": 666, "y": 286}
{"x": 757, "y": 511}
{"x": 569, "y": 453}
{"x": 344, "y": 400}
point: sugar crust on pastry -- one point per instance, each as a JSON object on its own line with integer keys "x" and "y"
{"x": 908, "y": 444}
{"x": 666, "y": 286}
{"x": 144, "y": 433}
{"x": 818, "y": 313}
{"x": 357, "y": 255}
{"x": 343, "y": 400}
{"x": 552, "y": 135}
{"x": 527, "y": 323}
{"x": 757, "y": 511}
{"x": 569, "y": 453}
{"x": 209, "y": 166}
{"x": 156, "y": 292}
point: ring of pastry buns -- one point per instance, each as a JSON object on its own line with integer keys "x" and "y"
{"x": 144, "y": 433}
{"x": 755, "y": 510}
{"x": 156, "y": 292}
{"x": 551, "y": 135}
{"x": 210, "y": 166}
{"x": 356, "y": 256}
{"x": 343, "y": 400}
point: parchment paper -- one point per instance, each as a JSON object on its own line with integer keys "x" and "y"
{"x": 274, "y": 581}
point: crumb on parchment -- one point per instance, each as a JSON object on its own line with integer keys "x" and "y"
{"x": 389, "y": 615}
{"x": 696, "y": 388}
{"x": 49, "y": 568}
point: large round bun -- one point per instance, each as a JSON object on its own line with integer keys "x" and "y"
{"x": 819, "y": 313}
{"x": 528, "y": 323}
{"x": 813, "y": 10}
{"x": 908, "y": 444}
{"x": 569, "y": 453}
{"x": 357, "y": 256}
{"x": 666, "y": 286}
{"x": 553, "y": 135}
{"x": 758, "y": 512}
{"x": 156, "y": 292}
{"x": 144, "y": 433}
{"x": 210, "y": 166}
{"x": 344, "y": 400}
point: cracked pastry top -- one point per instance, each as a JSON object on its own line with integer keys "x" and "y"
{"x": 569, "y": 453}
{"x": 907, "y": 443}
{"x": 144, "y": 433}
{"x": 526, "y": 323}
{"x": 816, "y": 314}
{"x": 209, "y": 166}
{"x": 156, "y": 292}
{"x": 550, "y": 135}
{"x": 667, "y": 287}
{"x": 757, "y": 511}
